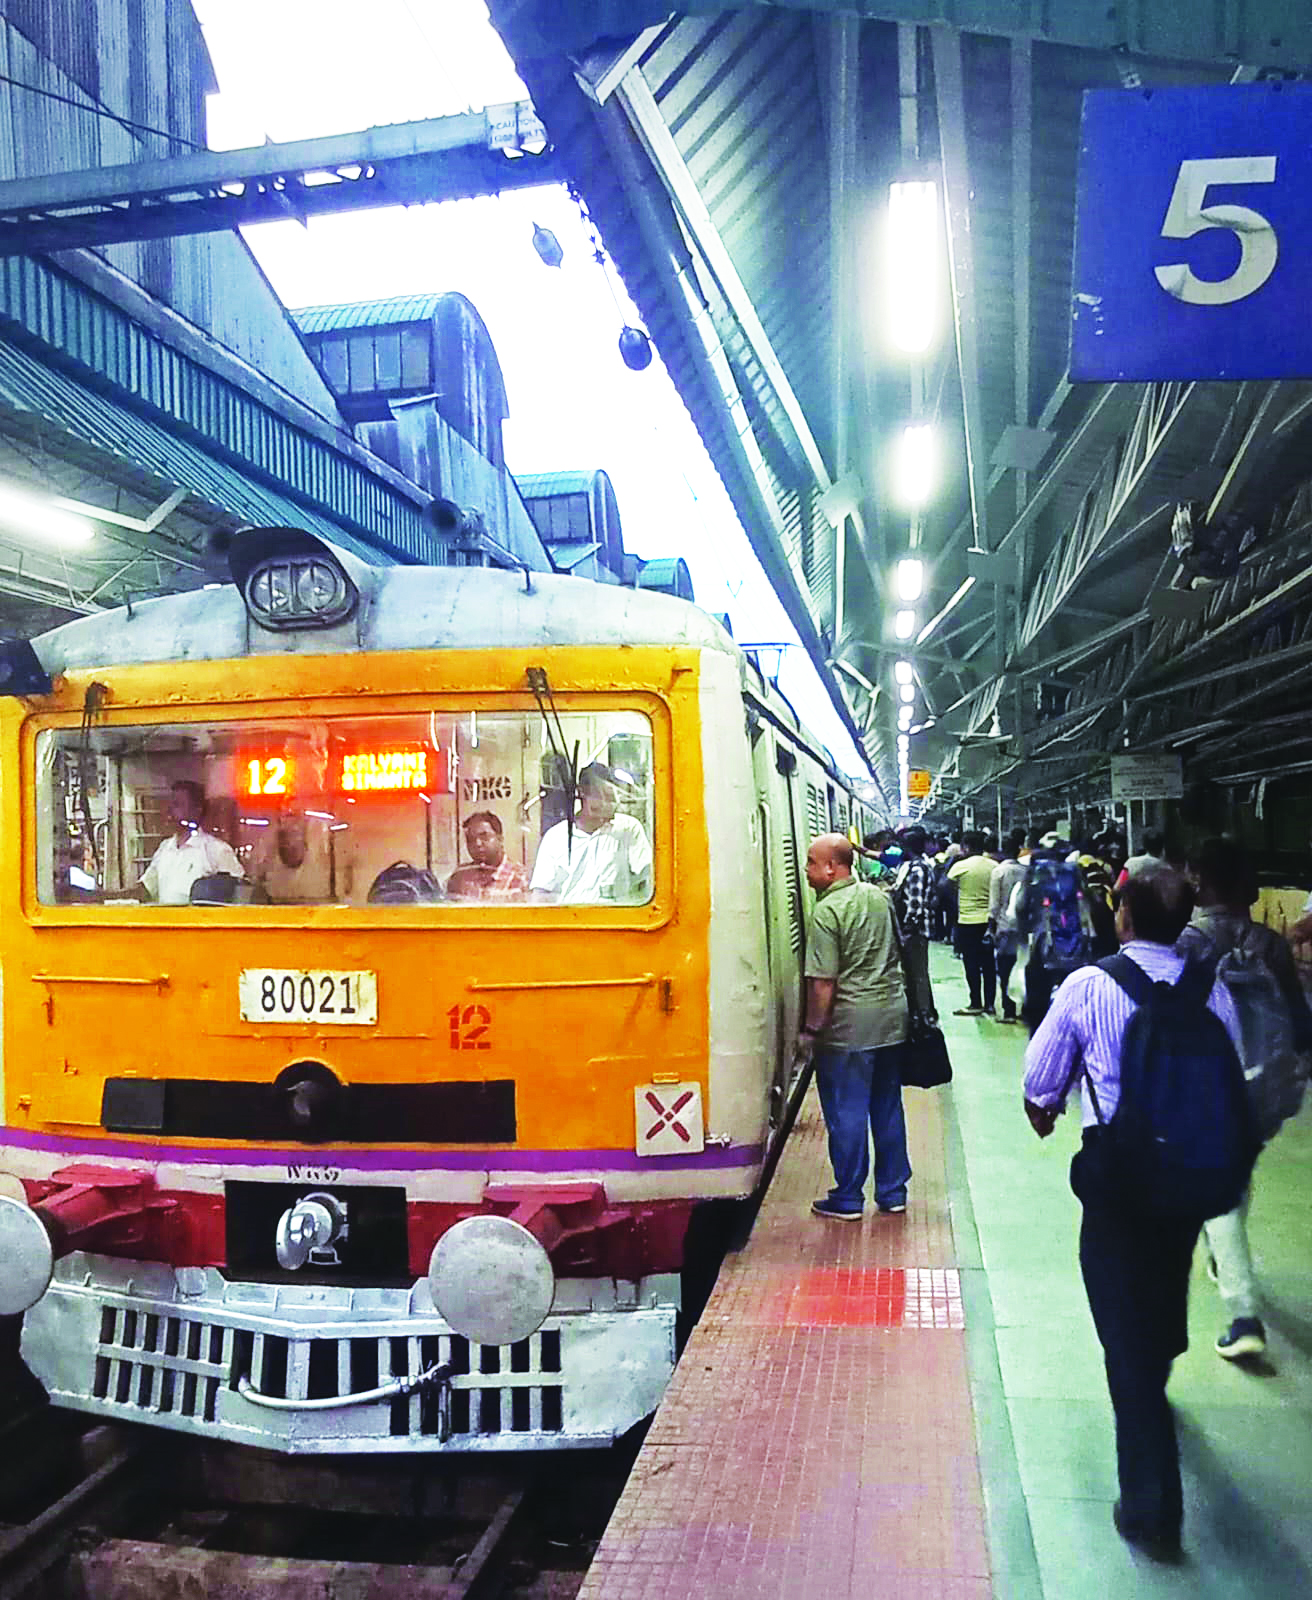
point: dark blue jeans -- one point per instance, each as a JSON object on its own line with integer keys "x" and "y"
{"x": 862, "y": 1089}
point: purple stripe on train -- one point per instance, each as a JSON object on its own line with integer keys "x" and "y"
{"x": 392, "y": 1158}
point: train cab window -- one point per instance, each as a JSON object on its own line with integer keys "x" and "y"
{"x": 484, "y": 808}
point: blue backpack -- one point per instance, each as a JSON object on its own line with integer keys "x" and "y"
{"x": 1182, "y": 1141}
{"x": 1056, "y": 914}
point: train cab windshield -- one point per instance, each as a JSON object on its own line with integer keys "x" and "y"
{"x": 476, "y": 808}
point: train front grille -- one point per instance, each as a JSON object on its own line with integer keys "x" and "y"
{"x": 278, "y": 1365}
{"x": 164, "y": 1365}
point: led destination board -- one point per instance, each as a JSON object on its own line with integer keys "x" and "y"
{"x": 387, "y": 771}
{"x": 392, "y": 769}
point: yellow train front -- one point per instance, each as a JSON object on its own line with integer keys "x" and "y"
{"x": 335, "y": 1117}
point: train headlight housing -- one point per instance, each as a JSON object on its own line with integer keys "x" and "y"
{"x": 299, "y": 591}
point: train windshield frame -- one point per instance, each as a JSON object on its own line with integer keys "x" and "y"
{"x": 485, "y": 808}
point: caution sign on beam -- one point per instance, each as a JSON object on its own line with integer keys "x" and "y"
{"x": 917, "y": 783}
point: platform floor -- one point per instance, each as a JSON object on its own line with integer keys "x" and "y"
{"x": 914, "y": 1407}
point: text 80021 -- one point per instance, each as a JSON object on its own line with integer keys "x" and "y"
{"x": 301, "y": 994}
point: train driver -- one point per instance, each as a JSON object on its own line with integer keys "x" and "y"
{"x": 607, "y": 859}
{"x": 189, "y": 852}
{"x": 491, "y": 877}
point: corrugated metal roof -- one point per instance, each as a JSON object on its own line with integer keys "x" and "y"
{"x": 89, "y": 332}
{"x": 367, "y": 313}
{"x": 538, "y": 485}
{"x": 1265, "y": 32}
{"x": 27, "y": 386}
{"x": 744, "y": 98}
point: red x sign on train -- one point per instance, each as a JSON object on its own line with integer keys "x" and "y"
{"x": 668, "y": 1117}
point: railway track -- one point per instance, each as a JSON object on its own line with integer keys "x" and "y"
{"x": 125, "y": 1514}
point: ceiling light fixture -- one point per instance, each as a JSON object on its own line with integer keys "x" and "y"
{"x": 909, "y": 579}
{"x": 913, "y": 264}
{"x": 915, "y": 469}
{"x": 904, "y": 624}
{"x": 23, "y": 513}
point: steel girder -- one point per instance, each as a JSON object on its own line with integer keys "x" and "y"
{"x": 444, "y": 158}
{"x": 1168, "y": 681}
{"x": 741, "y": 364}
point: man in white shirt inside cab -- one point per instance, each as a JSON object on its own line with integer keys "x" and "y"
{"x": 606, "y": 855}
{"x": 189, "y": 852}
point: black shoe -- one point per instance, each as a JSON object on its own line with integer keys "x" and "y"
{"x": 827, "y": 1208}
{"x": 1244, "y": 1337}
{"x": 1160, "y": 1544}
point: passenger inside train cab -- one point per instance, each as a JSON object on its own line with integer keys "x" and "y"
{"x": 605, "y": 855}
{"x": 492, "y": 875}
{"x": 291, "y": 862}
{"x": 304, "y": 810}
{"x": 189, "y": 852}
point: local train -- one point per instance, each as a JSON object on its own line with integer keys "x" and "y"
{"x": 335, "y": 1120}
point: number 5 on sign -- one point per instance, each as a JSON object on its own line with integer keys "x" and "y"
{"x": 1187, "y": 215}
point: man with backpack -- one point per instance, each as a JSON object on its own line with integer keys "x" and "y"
{"x": 1052, "y": 909}
{"x": 1168, "y": 1142}
{"x": 1257, "y": 967}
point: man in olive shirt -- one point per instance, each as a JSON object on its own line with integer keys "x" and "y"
{"x": 856, "y": 1017}
{"x": 972, "y": 875}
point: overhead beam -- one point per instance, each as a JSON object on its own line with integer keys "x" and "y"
{"x": 763, "y": 524}
{"x": 408, "y": 163}
{"x": 645, "y": 116}
{"x": 843, "y": 102}
{"x": 950, "y": 87}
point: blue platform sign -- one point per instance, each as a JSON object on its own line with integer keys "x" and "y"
{"x": 1193, "y": 234}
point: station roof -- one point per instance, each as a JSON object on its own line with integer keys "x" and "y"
{"x": 737, "y": 161}
{"x": 404, "y": 308}
{"x": 538, "y": 485}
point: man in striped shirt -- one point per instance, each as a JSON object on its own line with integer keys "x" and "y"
{"x": 1136, "y": 1277}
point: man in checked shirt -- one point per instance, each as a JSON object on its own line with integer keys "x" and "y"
{"x": 493, "y": 876}
{"x": 1136, "y": 1276}
{"x": 913, "y": 892}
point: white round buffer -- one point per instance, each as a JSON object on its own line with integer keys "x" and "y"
{"x": 27, "y": 1258}
{"x": 491, "y": 1280}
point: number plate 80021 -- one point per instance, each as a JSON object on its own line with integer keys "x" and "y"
{"x": 308, "y": 994}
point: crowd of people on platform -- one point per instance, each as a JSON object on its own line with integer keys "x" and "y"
{"x": 1151, "y": 994}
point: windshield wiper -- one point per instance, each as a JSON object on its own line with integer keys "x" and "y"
{"x": 540, "y": 685}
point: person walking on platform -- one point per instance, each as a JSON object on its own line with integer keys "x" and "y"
{"x": 913, "y": 893}
{"x": 1258, "y": 968}
{"x": 972, "y": 876}
{"x": 1135, "y": 1256}
{"x": 1007, "y": 876}
{"x": 1054, "y": 913}
{"x": 856, "y": 1021}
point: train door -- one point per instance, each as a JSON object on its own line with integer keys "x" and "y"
{"x": 774, "y": 770}
{"x": 796, "y": 829}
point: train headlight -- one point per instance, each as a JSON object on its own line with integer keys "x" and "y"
{"x": 299, "y": 591}
{"x": 491, "y": 1280}
{"x": 27, "y": 1257}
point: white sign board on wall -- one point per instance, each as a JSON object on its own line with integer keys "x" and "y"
{"x": 1146, "y": 777}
